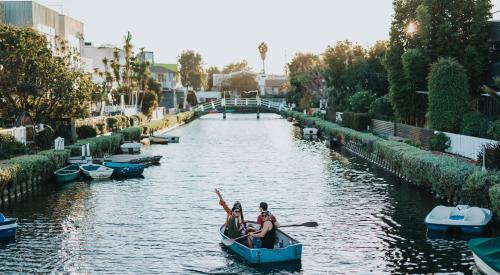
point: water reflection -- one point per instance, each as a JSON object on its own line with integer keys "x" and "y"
{"x": 167, "y": 221}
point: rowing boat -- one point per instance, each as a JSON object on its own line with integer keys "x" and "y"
{"x": 67, "y": 173}
{"x": 125, "y": 169}
{"x": 158, "y": 140}
{"x": 486, "y": 252}
{"x": 96, "y": 171}
{"x": 285, "y": 249}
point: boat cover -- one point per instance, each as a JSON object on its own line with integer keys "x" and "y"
{"x": 488, "y": 249}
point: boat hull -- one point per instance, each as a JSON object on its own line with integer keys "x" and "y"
{"x": 97, "y": 171}
{"x": 464, "y": 229}
{"x": 125, "y": 169}
{"x": 8, "y": 228}
{"x": 483, "y": 267}
{"x": 291, "y": 251}
{"x": 158, "y": 140}
{"x": 173, "y": 139}
{"x": 67, "y": 174}
{"x": 131, "y": 148}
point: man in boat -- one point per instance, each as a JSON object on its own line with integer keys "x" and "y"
{"x": 260, "y": 221}
{"x": 267, "y": 233}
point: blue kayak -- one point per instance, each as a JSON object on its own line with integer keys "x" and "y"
{"x": 8, "y": 227}
{"x": 125, "y": 169}
{"x": 285, "y": 249}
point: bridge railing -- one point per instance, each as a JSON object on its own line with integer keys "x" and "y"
{"x": 241, "y": 102}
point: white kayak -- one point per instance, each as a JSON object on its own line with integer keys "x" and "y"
{"x": 131, "y": 147}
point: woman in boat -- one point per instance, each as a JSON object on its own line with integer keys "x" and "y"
{"x": 267, "y": 233}
{"x": 223, "y": 203}
{"x": 234, "y": 225}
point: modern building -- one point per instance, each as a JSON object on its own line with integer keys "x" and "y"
{"x": 270, "y": 84}
{"x": 43, "y": 19}
{"x": 267, "y": 84}
{"x": 166, "y": 74}
{"x": 93, "y": 58}
{"x": 207, "y": 96}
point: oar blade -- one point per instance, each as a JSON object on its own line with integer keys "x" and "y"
{"x": 310, "y": 224}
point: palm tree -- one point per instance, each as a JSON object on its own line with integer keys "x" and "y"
{"x": 263, "y": 51}
{"x": 127, "y": 49}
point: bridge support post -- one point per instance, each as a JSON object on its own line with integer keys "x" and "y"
{"x": 224, "y": 113}
{"x": 258, "y": 113}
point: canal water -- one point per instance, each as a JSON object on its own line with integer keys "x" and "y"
{"x": 167, "y": 222}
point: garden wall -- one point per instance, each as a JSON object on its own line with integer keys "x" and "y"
{"x": 466, "y": 146}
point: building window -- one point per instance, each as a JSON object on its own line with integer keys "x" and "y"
{"x": 161, "y": 78}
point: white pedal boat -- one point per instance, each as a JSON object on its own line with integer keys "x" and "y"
{"x": 470, "y": 220}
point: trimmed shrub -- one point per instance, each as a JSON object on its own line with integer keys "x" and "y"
{"x": 360, "y": 101}
{"x": 356, "y": 121}
{"x": 100, "y": 127}
{"x": 381, "y": 109}
{"x": 494, "y": 130}
{"x": 10, "y": 147}
{"x": 112, "y": 123}
{"x": 474, "y": 124}
{"x": 149, "y": 103}
{"x": 132, "y": 133}
{"x": 475, "y": 190}
{"x": 448, "y": 95}
{"x": 440, "y": 142}
{"x": 86, "y": 131}
{"x": 495, "y": 198}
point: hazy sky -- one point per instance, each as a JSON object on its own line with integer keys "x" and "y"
{"x": 224, "y": 31}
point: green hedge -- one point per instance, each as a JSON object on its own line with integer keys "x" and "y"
{"x": 132, "y": 133}
{"x": 98, "y": 145}
{"x": 10, "y": 147}
{"x": 442, "y": 174}
{"x": 27, "y": 166}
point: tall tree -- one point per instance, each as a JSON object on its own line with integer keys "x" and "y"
{"x": 210, "y": 76}
{"x": 455, "y": 28}
{"x": 236, "y": 67}
{"x": 36, "y": 81}
{"x": 191, "y": 70}
{"x": 305, "y": 77}
{"x": 263, "y": 51}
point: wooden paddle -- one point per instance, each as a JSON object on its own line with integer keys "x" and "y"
{"x": 306, "y": 224}
{"x": 228, "y": 242}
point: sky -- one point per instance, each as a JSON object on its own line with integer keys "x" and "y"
{"x": 225, "y": 31}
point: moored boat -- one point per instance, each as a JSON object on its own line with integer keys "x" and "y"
{"x": 172, "y": 139}
{"x": 295, "y": 122}
{"x": 158, "y": 139}
{"x": 68, "y": 173}
{"x": 470, "y": 220}
{"x": 486, "y": 252}
{"x": 310, "y": 131}
{"x": 96, "y": 171}
{"x": 8, "y": 227}
{"x": 125, "y": 169}
{"x": 285, "y": 249}
{"x": 131, "y": 147}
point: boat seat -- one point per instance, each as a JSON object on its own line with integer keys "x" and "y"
{"x": 440, "y": 213}
{"x": 474, "y": 214}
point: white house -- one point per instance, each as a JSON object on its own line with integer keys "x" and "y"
{"x": 207, "y": 96}
{"x": 94, "y": 56}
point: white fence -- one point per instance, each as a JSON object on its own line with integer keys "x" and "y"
{"x": 128, "y": 110}
{"x": 466, "y": 146}
{"x": 19, "y": 133}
